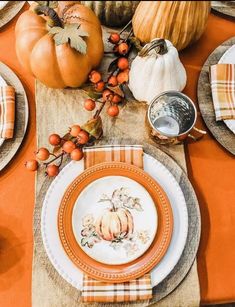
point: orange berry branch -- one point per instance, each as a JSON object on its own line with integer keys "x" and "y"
{"x": 107, "y": 93}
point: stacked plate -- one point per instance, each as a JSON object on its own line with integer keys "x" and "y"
{"x": 114, "y": 222}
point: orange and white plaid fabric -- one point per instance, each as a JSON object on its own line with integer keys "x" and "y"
{"x": 223, "y": 90}
{"x": 7, "y": 111}
{"x": 134, "y": 290}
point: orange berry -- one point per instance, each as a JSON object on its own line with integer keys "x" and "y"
{"x": 74, "y": 130}
{"x": 123, "y": 76}
{"x": 31, "y": 165}
{"x": 114, "y": 38}
{"x": 76, "y": 154}
{"x": 123, "y": 63}
{"x": 54, "y": 139}
{"x": 112, "y": 81}
{"x": 116, "y": 99}
{"x": 107, "y": 94}
{"x": 83, "y": 137}
{"x": 89, "y": 105}
{"x": 52, "y": 170}
{"x": 113, "y": 110}
{"x": 123, "y": 48}
{"x": 95, "y": 76}
{"x": 42, "y": 154}
{"x": 99, "y": 86}
{"x": 68, "y": 146}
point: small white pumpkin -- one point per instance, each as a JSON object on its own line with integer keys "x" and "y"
{"x": 157, "y": 68}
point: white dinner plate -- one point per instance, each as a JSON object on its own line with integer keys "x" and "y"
{"x": 58, "y": 257}
{"x": 229, "y": 58}
{"x": 2, "y": 83}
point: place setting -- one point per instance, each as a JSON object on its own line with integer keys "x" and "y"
{"x": 79, "y": 240}
{"x": 13, "y": 114}
{"x": 216, "y": 94}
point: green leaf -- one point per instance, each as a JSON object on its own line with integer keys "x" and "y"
{"x": 71, "y": 34}
{"x": 117, "y": 90}
{"x": 90, "y": 91}
{"x": 52, "y": 4}
{"x": 94, "y": 127}
{"x": 113, "y": 66}
{"x": 78, "y": 43}
{"x": 55, "y": 30}
{"x": 94, "y": 95}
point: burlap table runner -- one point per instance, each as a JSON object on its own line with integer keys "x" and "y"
{"x": 56, "y": 111}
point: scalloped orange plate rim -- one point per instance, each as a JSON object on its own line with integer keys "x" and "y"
{"x": 139, "y": 266}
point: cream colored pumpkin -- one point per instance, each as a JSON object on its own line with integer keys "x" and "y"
{"x": 112, "y": 223}
{"x": 157, "y": 68}
{"x": 181, "y": 22}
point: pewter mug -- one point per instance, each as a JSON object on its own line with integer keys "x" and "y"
{"x": 172, "y": 116}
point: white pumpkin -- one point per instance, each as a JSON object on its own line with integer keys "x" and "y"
{"x": 157, "y": 68}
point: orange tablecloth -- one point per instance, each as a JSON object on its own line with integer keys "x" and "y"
{"x": 211, "y": 170}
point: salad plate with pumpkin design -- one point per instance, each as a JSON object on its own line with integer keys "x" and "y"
{"x": 115, "y": 222}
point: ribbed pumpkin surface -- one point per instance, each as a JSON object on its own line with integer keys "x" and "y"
{"x": 113, "y": 13}
{"x": 181, "y": 22}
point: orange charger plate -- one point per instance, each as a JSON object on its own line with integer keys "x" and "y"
{"x": 139, "y": 266}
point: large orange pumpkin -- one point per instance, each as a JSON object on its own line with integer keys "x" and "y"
{"x": 112, "y": 223}
{"x": 181, "y": 22}
{"x": 58, "y": 66}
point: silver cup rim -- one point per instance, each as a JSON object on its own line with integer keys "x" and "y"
{"x": 182, "y": 95}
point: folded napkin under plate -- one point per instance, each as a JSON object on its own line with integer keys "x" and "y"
{"x": 222, "y": 78}
{"x": 7, "y": 111}
{"x": 135, "y": 290}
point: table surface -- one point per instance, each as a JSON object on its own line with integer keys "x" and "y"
{"x": 211, "y": 171}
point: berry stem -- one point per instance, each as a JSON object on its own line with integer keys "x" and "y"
{"x": 97, "y": 113}
{"x": 51, "y": 154}
{"x": 126, "y": 26}
{"x": 61, "y": 159}
{"x": 52, "y": 160}
{"x": 129, "y": 34}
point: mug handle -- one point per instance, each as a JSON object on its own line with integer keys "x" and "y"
{"x": 196, "y": 138}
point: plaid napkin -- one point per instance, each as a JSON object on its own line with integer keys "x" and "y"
{"x": 7, "y": 111}
{"x": 223, "y": 90}
{"x": 134, "y": 290}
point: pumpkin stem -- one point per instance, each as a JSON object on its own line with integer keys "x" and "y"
{"x": 159, "y": 45}
{"x": 54, "y": 20}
